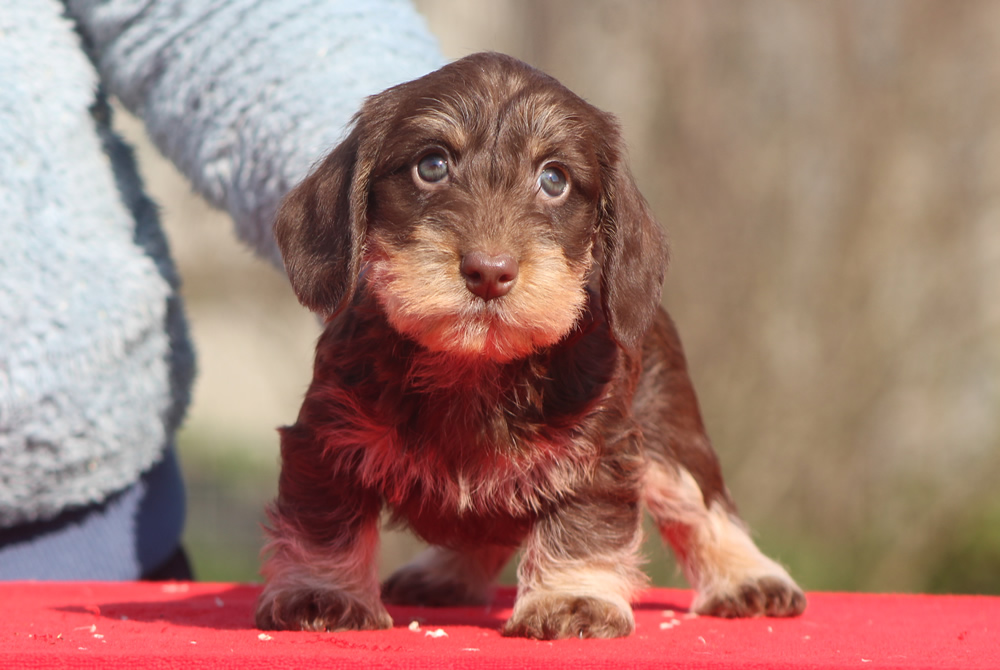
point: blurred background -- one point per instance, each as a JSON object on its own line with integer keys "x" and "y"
{"x": 829, "y": 176}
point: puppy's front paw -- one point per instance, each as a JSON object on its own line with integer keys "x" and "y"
{"x": 557, "y": 616}
{"x": 775, "y": 596}
{"x": 314, "y": 610}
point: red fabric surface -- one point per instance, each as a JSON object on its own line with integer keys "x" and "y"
{"x": 144, "y": 625}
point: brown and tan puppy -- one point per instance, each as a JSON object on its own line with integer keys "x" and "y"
{"x": 496, "y": 371}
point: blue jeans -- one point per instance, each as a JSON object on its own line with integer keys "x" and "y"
{"x": 134, "y": 534}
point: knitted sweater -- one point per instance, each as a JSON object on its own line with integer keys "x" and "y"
{"x": 243, "y": 96}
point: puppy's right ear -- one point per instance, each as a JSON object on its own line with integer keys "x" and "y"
{"x": 321, "y": 224}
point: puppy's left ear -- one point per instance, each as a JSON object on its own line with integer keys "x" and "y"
{"x": 634, "y": 251}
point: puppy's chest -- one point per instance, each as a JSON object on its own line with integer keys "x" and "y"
{"x": 450, "y": 443}
{"x": 462, "y": 456}
{"x": 474, "y": 439}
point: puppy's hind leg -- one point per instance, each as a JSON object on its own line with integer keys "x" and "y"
{"x": 441, "y": 577}
{"x": 684, "y": 491}
{"x": 732, "y": 577}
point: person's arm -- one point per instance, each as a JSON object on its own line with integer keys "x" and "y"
{"x": 245, "y": 95}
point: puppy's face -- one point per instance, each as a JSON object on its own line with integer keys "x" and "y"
{"x": 477, "y": 202}
{"x": 482, "y": 218}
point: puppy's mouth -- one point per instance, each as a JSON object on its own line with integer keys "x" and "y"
{"x": 441, "y": 312}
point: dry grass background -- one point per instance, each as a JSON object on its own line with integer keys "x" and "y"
{"x": 829, "y": 175}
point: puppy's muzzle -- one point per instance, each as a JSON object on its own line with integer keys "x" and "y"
{"x": 489, "y": 276}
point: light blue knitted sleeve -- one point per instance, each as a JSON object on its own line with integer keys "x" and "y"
{"x": 244, "y": 96}
{"x": 95, "y": 365}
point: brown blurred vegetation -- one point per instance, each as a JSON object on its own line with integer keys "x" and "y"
{"x": 829, "y": 175}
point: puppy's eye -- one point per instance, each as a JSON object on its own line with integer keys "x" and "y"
{"x": 432, "y": 168}
{"x": 553, "y": 181}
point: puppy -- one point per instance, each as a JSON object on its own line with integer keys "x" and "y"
{"x": 496, "y": 371}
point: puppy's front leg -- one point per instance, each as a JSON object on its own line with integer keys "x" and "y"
{"x": 321, "y": 571}
{"x": 579, "y": 571}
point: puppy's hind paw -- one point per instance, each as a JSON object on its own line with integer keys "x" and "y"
{"x": 558, "y": 616}
{"x": 414, "y": 585}
{"x": 441, "y": 577}
{"x": 773, "y": 596}
{"x": 312, "y": 610}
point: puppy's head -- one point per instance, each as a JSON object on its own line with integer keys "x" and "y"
{"x": 477, "y": 202}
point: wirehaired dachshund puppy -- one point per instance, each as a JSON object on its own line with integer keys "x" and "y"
{"x": 496, "y": 372}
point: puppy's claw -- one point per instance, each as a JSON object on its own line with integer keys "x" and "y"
{"x": 553, "y": 617}
{"x": 319, "y": 612}
{"x": 766, "y": 596}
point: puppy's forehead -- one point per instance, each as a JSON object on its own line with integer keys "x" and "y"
{"x": 504, "y": 106}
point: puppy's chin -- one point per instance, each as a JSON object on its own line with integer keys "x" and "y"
{"x": 487, "y": 340}
{"x": 488, "y": 334}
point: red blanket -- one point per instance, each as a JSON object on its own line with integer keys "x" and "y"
{"x": 144, "y": 625}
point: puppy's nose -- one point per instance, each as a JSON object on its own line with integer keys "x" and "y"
{"x": 489, "y": 276}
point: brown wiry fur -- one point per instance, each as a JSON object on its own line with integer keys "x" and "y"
{"x": 544, "y": 416}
